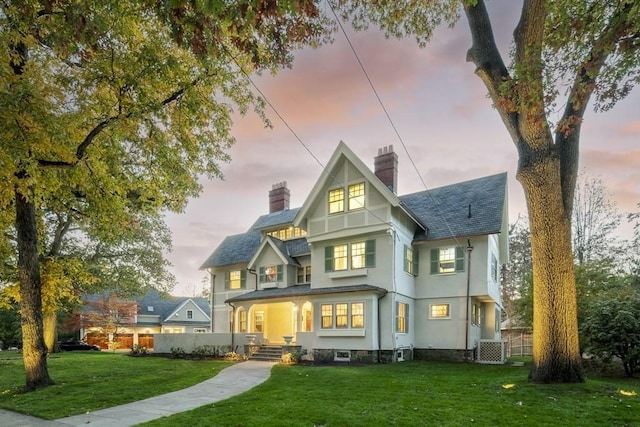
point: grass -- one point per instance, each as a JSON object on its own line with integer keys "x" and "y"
{"x": 419, "y": 393}
{"x": 408, "y": 394}
{"x": 88, "y": 381}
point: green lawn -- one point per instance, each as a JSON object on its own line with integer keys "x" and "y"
{"x": 419, "y": 394}
{"x": 87, "y": 381}
{"x": 407, "y": 394}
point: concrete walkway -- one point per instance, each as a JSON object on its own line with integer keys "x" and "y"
{"x": 229, "y": 382}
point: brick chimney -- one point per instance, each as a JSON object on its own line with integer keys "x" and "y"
{"x": 386, "y": 167}
{"x": 279, "y": 197}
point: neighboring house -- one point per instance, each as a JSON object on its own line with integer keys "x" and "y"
{"x": 359, "y": 273}
{"x": 108, "y": 319}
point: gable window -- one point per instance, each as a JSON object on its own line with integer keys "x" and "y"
{"x": 326, "y": 311}
{"x": 356, "y": 196}
{"x": 402, "y": 317}
{"x": 447, "y": 260}
{"x": 439, "y": 311}
{"x": 189, "y": 314}
{"x": 352, "y": 256}
{"x": 304, "y": 274}
{"x": 270, "y": 273}
{"x": 336, "y": 200}
{"x": 410, "y": 261}
{"x": 235, "y": 279}
{"x": 357, "y": 315}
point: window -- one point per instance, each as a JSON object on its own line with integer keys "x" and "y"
{"x": 242, "y": 321}
{"x": 357, "y": 315}
{"x": 402, "y": 317}
{"x": 342, "y": 315}
{"x": 304, "y": 274}
{"x": 447, "y": 260}
{"x": 189, "y": 314}
{"x": 270, "y": 273}
{"x": 287, "y": 233}
{"x": 358, "y": 255}
{"x": 258, "y": 321}
{"x": 336, "y": 200}
{"x": 235, "y": 279}
{"x": 356, "y": 196}
{"x": 326, "y": 311}
{"x": 410, "y": 261}
{"x": 340, "y": 257}
{"x": 439, "y": 311}
{"x": 476, "y": 313}
{"x": 494, "y": 268}
{"x": 354, "y": 255}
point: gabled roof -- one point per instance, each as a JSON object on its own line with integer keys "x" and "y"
{"x": 274, "y": 219}
{"x": 165, "y": 305}
{"x": 278, "y": 247}
{"x": 467, "y": 208}
{"x": 343, "y": 152}
{"x": 182, "y": 305}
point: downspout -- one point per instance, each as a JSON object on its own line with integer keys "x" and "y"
{"x": 466, "y": 332}
{"x": 380, "y": 327}
{"x": 255, "y": 274}
{"x": 394, "y": 337}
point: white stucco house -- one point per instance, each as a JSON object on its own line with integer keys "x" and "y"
{"x": 360, "y": 273}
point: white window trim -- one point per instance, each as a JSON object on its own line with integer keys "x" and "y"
{"x": 439, "y": 317}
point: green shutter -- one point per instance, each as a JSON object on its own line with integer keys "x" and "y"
{"x": 459, "y": 259}
{"x": 243, "y": 278}
{"x": 261, "y": 275}
{"x": 328, "y": 258}
{"x": 370, "y": 253}
{"x": 435, "y": 255}
{"x": 279, "y": 278}
{"x": 415, "y": 262}
{"x": 227, "y": 277}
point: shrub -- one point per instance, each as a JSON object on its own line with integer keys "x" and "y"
{"x": 612, "y": 330}
{"x": 178, "y": 352}
{"x": 204, "y": 351}
{"x": 232, "y": 355}
{"x": 139, "y": 350}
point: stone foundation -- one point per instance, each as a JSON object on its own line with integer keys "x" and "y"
{"x": 449, "y": 355}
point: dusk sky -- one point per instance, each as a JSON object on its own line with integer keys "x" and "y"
{"x": 438, "y": 106}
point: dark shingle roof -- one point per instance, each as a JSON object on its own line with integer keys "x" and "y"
{"x": 301, "y": 290}
{"x": 234, "y": 249}
{"x": 275, "y": 218}
{"x": 164, "y": 305}
{"x": 445, "y": 210}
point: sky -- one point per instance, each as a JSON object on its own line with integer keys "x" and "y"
{"x": 445, "y": 124}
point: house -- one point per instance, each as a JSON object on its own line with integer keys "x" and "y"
{"x": 108, "y": 319}
{"x": 358, "y": 273}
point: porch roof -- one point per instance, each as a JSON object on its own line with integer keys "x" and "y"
{"x": 302, "y": 290}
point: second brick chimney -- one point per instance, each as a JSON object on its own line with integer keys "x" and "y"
{"x": 386, "y": 167}
{"x": 279, "y": 197}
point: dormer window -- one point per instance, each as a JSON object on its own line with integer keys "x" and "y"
{"x": 271, "y": 273}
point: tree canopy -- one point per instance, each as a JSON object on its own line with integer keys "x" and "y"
{"x": 565, "y": 56}
{"x": 111, "y": 111}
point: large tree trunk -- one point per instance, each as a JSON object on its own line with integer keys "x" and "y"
{"x": 556, "y": 355}
{"x": 34, "y": 352}
{"x": 50, "y": 330}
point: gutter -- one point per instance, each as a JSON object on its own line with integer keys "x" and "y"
{"x": 466, "y": 331}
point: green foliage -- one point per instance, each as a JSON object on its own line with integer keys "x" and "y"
{"x": 178, "y": 352}
{"x": 10, "y": 334}
{"x": 139, "y": 350}
{"x": 612, "y": 329}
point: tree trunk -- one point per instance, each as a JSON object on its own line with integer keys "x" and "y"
{"x": 50, "y": 331}
{"x": 33, "y": 349}
{"x": 556, "y": 353}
